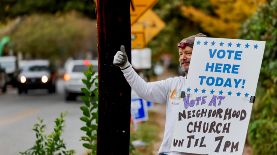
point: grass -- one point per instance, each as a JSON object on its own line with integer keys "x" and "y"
{"x": 149, "y": 132}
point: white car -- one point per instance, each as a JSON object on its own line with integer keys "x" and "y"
{"x": 74, "y": 73}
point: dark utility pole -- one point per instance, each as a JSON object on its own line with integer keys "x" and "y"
{"x": 113, "y": 24}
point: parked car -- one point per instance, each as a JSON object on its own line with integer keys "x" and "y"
{"x": 74, "y": 73}
{"x": 3, "y": 80}
{"x": 36, "y": 74}
{"x": 10, "y": 66}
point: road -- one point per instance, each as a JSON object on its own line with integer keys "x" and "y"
{"x": 18, "y": 114}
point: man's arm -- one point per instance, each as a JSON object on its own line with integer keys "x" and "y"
{"x": 151, "y": 91}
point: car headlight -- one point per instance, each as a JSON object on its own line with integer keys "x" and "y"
{"x": 44, "y": 79}
{"x": 23, "y": 79}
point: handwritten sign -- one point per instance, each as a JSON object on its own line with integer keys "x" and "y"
{"x": 211, "y": 125}
{"x": 225, "y": 66}
{"x": 214, "y": 115}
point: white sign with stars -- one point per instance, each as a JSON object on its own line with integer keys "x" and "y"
{"x": 215, "y": 113}
{"x": 228, "y": 67}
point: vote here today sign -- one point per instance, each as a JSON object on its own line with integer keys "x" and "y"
{"x": 222, "y": 77}
{"x": 225, "y": 66}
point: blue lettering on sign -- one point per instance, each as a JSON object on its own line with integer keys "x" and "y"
{"x": 226, "y": 68}
{"x": 229, "y": 54}
{"x": 219, "y": 81}
{"x": 222, "y": 68}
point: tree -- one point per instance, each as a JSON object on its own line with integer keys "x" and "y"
{"x": 59, "y": 36}
{"x": 177, "y": 27}
{"x": 216, "y": 18}
{"x": 14, "y": 8}
{"x": 263, "y": 125}
{"x": 225, "y": 17}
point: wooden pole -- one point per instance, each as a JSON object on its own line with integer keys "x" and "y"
{"x": 114, "y": 29}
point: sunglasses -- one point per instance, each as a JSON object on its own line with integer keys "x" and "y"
{"x": 183, "y": 44}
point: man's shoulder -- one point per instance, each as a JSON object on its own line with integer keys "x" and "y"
{"x": 175, "y": 79}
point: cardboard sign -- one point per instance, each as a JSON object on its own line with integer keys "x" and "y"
{"x": 228, "y": 67}
{"x": 139, "y": 110}
{"x": 214, "y": 115}
{"x": 217, "y": 125}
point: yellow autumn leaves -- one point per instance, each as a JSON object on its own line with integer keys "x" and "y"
{"x": 227, "y": 18}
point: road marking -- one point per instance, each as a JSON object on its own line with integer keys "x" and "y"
{"x": 17, "y": 117}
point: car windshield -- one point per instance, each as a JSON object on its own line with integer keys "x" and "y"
{"x": 38, "y": 68}
{"x": 82, "y": 68}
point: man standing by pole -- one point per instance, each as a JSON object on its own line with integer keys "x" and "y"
{"x": 161, "y": 91}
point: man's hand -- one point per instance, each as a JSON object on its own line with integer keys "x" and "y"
{"x": 120, "y": 58}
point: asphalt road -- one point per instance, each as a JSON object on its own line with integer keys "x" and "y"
{"x": 18, "y": 114}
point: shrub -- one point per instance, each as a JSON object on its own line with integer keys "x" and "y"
{"x": 90, "y": 110}
{"x": 49, "y": 144}
{"x": 263, "y": 123}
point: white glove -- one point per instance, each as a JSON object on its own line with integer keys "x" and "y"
{"x": 120, "y": 58}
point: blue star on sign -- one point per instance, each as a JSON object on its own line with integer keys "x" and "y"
{"x": 198, "y": 42}
{"x": 221, "y": 43}
{"x": 213, "y": 43}
{"x": 203, "y": 90}
{"x": 238, "y": 44}
{"x": 205, "y": 43}
{"x": 220, "y": 92}
{"x": 212, "y": 91}
{"x": 238, "y": 93}
{"x": 195, "y": 90}
{"x": 229, "y": 93}
{"x": 256, "y": 46}
{"x": 246, "y": 94}
{"x": 188, "y": 89}
{"x": 247, "y": 45}
{"x": 229, "y": 44}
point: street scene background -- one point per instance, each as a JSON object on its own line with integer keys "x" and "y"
{"x": 66, "y": 30}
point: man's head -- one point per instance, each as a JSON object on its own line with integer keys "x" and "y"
{"x": 185, "y": 51}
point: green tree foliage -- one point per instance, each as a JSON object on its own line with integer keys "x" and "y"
{"x": 263, "y": 126}
{"x": 54, "y": 37}
{"x": 14, "y": 8}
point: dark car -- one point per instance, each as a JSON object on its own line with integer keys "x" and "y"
{"x": 36, "y": 74}
{"x": 3, "y": 80}
{"x": 9, "y": 65}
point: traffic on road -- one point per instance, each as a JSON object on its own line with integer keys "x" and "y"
{"x": 40, "y": 92}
